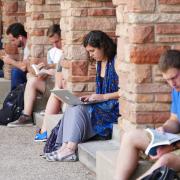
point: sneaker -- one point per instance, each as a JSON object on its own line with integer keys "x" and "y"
{"x": 23, "y": 121}
{"x": 41, "y": 137}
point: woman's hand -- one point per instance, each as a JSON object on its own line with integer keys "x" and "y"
{"x": 93, "y": 97}
{"x": 85, "y": 98}
{"x": 96, "y": 97}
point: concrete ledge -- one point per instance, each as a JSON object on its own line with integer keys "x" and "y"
{"x": 106, "y": 164}
{"x": 51, "y": 120}
{"x": 87, "y": 151}
{"x": 5, "y": 86}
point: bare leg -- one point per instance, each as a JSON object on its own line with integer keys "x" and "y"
{"x": 132, "y": 143}
{"x": 170, "y": 160}
{"x": 53, "y": 107}
{"x": 33, "y": 85}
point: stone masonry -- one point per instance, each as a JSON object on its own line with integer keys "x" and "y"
{"x": 143, "y": 30}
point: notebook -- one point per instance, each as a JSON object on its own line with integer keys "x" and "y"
{"x": 67, "y": 97}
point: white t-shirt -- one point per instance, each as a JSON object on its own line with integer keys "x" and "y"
{"x": 26, "y": 53}
{"x": 54, "y": 55}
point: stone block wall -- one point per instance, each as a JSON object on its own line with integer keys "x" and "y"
{"x": 145, "y": 29}
{"x": 0, "y": 19}
{"x": 78, "y": 17}
{"x": 12, "y": 11}
{"x": 40, "y": 14}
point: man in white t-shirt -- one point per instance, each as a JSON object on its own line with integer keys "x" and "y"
{"x": 43, "y": 82}
{"x": 18, "y": 37}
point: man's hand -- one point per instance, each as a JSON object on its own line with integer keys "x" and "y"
{"x": 41, "y": 65}
{"x": 162, "y": 150}
{"x": 7, "y": 60}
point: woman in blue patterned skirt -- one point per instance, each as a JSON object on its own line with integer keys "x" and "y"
{"x": 83, "y": 122}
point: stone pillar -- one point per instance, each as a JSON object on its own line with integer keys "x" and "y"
{"x": 78, "y": 17}
{"x": 12, "y": 11}
{"x": 145, "y": 29}
{"x": 40, "y": 15}
{"x": 0, "y": 18}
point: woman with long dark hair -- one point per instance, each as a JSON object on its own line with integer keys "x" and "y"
{"x": 83, "y": 122}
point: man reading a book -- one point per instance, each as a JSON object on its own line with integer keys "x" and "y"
{"x": 17, "y": 36}
{"x": 44, "y": 81}
{"x": 138, "y": 140}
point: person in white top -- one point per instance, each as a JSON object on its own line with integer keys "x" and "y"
{"x": 18, "y": 37}
{"x": 44, "y": 81}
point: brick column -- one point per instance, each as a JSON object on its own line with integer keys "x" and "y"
{"x": 12, "y": 11}
{"x": 40, "y": 15}
{"x": 145, "y": 29}
{"x": 0, "y": 18}
{"x": 78, "y": 17}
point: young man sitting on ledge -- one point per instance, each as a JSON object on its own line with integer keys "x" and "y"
{"x": 43, "y": 82}
{"x": 137, "y": 140}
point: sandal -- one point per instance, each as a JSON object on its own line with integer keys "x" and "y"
{"x": 56, "y": 156}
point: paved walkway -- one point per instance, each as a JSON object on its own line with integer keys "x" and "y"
{"x": 20, "y": 160}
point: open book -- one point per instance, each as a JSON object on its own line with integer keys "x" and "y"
{"x": 38, "y": 71}
{"x": 160, "y": 139}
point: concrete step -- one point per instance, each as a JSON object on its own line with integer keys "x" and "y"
{"x": 51, "y": 120}
{"x": 5, "y": 86}
{"x": 106, "y": 165}
{"x": 87, "y": 151}
{"x": 116, "y": 133}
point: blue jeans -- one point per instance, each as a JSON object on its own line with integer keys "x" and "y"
{"x": 17, "y": 77}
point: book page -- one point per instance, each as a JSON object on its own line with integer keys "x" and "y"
{"x": 160, "y": 139}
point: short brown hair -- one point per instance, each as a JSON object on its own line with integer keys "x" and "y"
{"x": 54, "y": 29}
{"x": 170, "y": 59}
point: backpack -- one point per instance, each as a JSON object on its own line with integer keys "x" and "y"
{"x": 51, "y": 141}
{"x": 12, "y": 105}
{"x": 162, "y": 173}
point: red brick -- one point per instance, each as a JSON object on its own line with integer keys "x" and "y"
{"x": 149, "y": 54}
{"x": 141, "y": 6}
{"x": 169, "y": 1}
{"x": 79, "y": 68}
{"x": 119, "y": 2}
{"x": 163, "y": 98}
{"x": 168, "y": 39}
{"x": 36, "y": 2}
{"x": 37, "y": 16}
{"x": 82, "y": 78}
{"x": 167, "y": 29}
{"x": 37, "y": 32}
{"x": 141, "y": 34}
{"x": 101, "y": 12}
{"x": 10, "y": 6}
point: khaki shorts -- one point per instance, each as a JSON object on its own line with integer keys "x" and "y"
{"x": 49, "y": 86}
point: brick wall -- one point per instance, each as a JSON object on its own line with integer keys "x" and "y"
{"x": 145, "y": 29}
{"x": 40, "y": 15}
{"x": 77, "y": 19}
{"x": 0, "y": 18}
{"x": 12, "y": 11}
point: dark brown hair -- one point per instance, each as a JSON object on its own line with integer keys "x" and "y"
{"x": 54, "y": 29}
{"x": 16, "y": 29}
{"x": 170, "y": 59}
{"x": 101, "y": 40}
